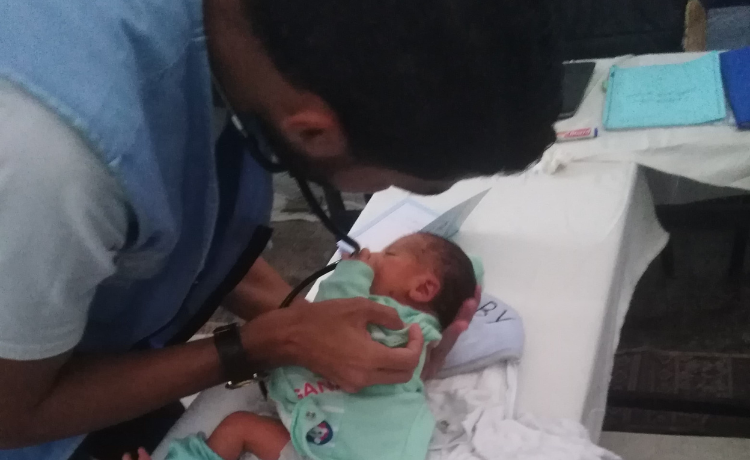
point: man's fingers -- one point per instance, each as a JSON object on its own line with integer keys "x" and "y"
{"x": 407, "y": 358}
{"x": 438, "y": 353}
{"x": 469, "y": 308}
{"x": 398, "y": 364}
{"x": 401, "y": 359}
{"x": 453, "y": 331}
{"x": 450, "y": 336}
{"x": 416, "y": 340}
{"x": 381, "y": 315}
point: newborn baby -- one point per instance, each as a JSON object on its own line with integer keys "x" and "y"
{"x": 426, "y": 279}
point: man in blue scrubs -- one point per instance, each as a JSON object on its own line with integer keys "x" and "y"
{"x": 130, "y": 208}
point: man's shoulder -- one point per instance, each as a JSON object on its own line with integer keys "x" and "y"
{"x": 62, "y": 216}
{"x": 40, "y": 153}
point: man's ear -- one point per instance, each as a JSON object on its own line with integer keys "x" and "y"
{"x": 424, "y": 288}
{"x": 316, "y": 131}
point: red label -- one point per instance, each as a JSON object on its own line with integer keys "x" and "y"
{"x": 321, "y": 386}
{"x": 583, "y": 132}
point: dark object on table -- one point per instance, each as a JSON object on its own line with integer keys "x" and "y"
{"x": 727, "y": 27}
{"x": 575, "y": 81}
{"x": 735, "y": 70}
{"x": 608, "y": 28}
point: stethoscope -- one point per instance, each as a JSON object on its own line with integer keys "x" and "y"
{"x": 275, "y": 166}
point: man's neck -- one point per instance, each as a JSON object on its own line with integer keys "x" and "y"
{"x": 230, "y": 52}
{"x": 244, "y": 71}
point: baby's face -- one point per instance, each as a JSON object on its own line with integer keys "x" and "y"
{"x": 397, "y": 266}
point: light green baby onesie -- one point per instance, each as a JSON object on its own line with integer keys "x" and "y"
{"x": 382, "y": 422}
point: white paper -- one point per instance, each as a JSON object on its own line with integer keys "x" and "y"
{"x": 405, "y": 218}
{"x": 409, "y": 217}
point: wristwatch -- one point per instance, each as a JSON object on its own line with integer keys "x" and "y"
{"x": 237, "y": 368}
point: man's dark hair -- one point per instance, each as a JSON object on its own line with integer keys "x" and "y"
{"x": 456, "y": 274}
{"x": 440, "y": 89}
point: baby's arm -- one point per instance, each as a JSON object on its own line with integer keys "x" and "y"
{"x": 240, "y": 432}
{"x": 352, "y": 278}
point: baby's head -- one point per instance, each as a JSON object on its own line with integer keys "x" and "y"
{"x": 425, "y": 272}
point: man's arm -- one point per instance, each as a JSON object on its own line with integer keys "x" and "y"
{"x": 263, "y": 289}
{"x": 260, "y": 291}
{"x": 62, "y": 396}
{"x": 67, "y": 395}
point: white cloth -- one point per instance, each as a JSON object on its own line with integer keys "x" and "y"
{"x": 716, "y": 154}
{"x": 62, "y": 218}
{"x": 288, "y": 453}
{"x": 476, "y": 421}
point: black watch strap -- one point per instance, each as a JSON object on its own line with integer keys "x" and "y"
{"x": 237, "y": 369}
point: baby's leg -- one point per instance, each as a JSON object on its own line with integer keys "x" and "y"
{"x": 240, "y": 432}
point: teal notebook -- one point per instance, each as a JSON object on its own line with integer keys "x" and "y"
{"x": 665, "y": 95}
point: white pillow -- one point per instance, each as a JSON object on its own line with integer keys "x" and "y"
{"x": 495, "y": 334}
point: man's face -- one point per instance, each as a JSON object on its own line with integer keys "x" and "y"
{"x": 344, "y": 172}
{"x": 368, "y": 179}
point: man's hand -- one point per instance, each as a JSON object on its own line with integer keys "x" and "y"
{"x": 142, "y": 455}
{"x": 331, "y": 338}
{"x": 436, "y": 354}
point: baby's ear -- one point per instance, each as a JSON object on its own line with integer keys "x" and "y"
{"x": 424, "y": 288}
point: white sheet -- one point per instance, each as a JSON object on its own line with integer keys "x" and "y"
{"x": 476, "y": 421}
{"x": 566, "y": 252}
{"x": 475, "y": 418}
{"x": 716, "y": 154}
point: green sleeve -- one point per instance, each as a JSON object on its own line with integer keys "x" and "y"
{"x": 478, "y": 266}
{"x": 351, "y": 278}
{"x": 193, "y": 447}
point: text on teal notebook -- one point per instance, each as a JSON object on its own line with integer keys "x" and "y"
{"x": 665, "y": 95}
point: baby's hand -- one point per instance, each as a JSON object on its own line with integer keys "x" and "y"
{"x": 364, "y": 255}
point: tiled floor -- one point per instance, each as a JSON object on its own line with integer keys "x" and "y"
{"x": 656, "y": 447}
